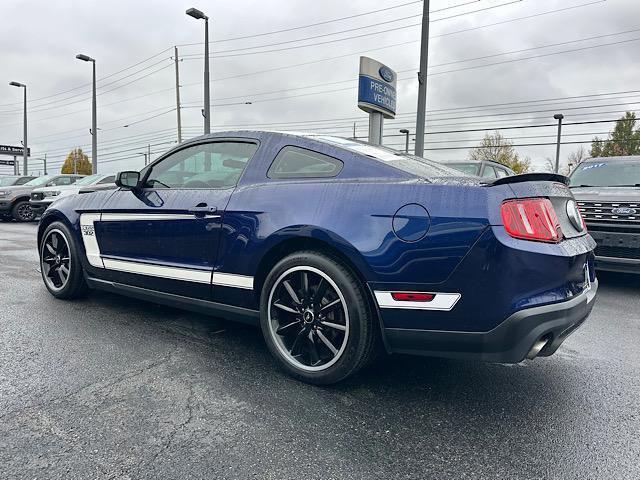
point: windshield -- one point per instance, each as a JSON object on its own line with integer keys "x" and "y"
{"x": 420, "y": 167}
{"x": 89, "y": 180}
{"x": 606, "y": 174}
{"x": 39, "y": 181}
{"x": 7, "y": 181}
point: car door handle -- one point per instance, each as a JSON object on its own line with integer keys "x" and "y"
{"x": 203, "y": 210}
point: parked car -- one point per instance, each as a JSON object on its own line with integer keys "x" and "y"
{"x": 335, "y": 248}
{"x": 14, "y": 200}
{"x": 482, "y": 168}
{"x": 11, "y": 180}
{"x": 41, "y": 198}
{"x": 608, "y": 194}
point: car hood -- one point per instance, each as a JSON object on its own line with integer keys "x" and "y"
{"x": 16, "y": 189}
{"x": 614, "y": 194}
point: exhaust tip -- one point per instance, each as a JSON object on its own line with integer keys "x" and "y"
{"x": 537, "y": 347}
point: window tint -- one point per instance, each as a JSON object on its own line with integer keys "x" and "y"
{"x": 109, "y": 179}
{"x": 489, "y": 172}
{"x": 64, "y": 181}
{"x": 502, "y": 172}
{"x": 295, "y": 162}
{"x": 209, "y": 165}
{"x": 468, "y": 168}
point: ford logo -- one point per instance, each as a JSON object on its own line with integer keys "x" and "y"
{"x": 387, "y": 74}
{"x": 624, "y": 211}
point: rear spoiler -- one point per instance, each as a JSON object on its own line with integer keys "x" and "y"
{"x": 531, "y": 177}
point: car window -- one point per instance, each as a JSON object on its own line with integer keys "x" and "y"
{"x": 489, "y": 172}
{"x": 468, "y": 168}
{"x": 109, "y": 179}
{"x": 208, "y": 165}
{"x": 502, "y": 172}
{"x": 8, "y": 181}
{"x": 63, "y": 181}
{"x": 23, "y": 180}
{"x": 295, "y": 162}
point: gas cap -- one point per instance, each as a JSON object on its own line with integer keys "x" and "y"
{"x": 411, "y": 222}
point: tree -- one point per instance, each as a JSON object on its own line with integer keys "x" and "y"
{"x": 575, "y": 158}
{"x": 624, "y": 140}
{"x": 494, "y": 147}
{"x": 77, "y": 162}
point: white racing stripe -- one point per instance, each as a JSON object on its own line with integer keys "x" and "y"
{"x": 95, "y": 259}
{"x": 441, "y": 301}
{"x": 148, "y": 217}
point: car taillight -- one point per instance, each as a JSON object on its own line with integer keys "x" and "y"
{"x": 531, "y": 219}
{"x": 412, "y": 296}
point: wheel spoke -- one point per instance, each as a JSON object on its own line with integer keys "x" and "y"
{"x": 52, "y": 250}
{"x": 62, "y": 275}
{"x": 64, "y": 269}
{"x": 326, "y": 341}
{"x": 320, "y": 291}
{"x": 313, "y": 349}
{"x": 284, "y": 329}
{"x": 285, "y": 308}
{"x": 48, "y": 260}
{"x": 336, "y": 326}
{"x": 296, "y": 343}
{"x": 305, "y": 284}
{"x": 54, "y": 240}
{"x": 291, "y": 292}
{"x": 330, "y": 306}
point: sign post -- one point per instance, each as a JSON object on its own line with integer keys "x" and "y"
{"x": 376, "y": 95}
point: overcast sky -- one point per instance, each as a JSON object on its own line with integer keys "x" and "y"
{"x": 588, "y": 50}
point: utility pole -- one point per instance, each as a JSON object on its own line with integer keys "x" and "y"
{"x": 16, "y": 170}
{"x": 25, "y": 148}
{"x": 175, "y": 58}
{"x": 45, "y": 163}
{"x": 559, "y": 117}
{"x": 94, "y": 115}
{"x": 354, "y": 129}
{"x": 422, "y": 81}
{"x": 148, "y": 153}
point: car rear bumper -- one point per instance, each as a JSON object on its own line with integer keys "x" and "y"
{"x": 510, "y": 342}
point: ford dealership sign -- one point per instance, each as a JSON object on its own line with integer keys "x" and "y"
{"x": 377, "y": 88}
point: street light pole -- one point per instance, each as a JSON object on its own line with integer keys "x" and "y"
{"x": 559, "y": 117}
{"x": 406, "y": 146}
{"x": 197, "y": 14}
{"x": 422, "y": 81}
{"x": 178, "y": 113}
{"x": 94, "y": 116}
{"x": 25, "y": 148}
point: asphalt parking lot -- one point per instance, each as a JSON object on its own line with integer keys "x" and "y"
{"x": 110, "y": 387}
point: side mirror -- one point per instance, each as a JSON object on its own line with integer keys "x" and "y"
{"x": 129, "y": 180}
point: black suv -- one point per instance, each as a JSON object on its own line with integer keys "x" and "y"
{"x": 608, "y": 194}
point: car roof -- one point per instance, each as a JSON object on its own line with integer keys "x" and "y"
{"x": 629, "y": 158}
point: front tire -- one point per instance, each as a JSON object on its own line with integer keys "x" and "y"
{"x": 316, "y": 319}
{"x": 22, "y": 212}
{"x": 60, "y": 263}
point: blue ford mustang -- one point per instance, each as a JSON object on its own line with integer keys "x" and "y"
{"x": 336, "y": 248}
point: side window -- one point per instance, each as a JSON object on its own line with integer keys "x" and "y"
{"x": 295, "y": 162}
{"x": 489, "y": 172}
{"x": 23, "y": 180}
{"x": 109, "y": 179}
{"x": 63, "y": 181}
{"x": 208, "y": 165}
{"x": 502, "y": 172}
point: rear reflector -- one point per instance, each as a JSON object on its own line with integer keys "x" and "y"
{"x": 531, "y": 219}
{"x": 412, "y": 296}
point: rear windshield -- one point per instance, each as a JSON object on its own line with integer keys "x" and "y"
{"x": 605, "y": 173}
{"x": 7, "y": 181}
{"x": 418, "y": 166}
{"x": 468, "y": 168}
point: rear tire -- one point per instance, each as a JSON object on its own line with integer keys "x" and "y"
{"x": 60, "y": 263}
{"x": 316, "y": 319}
{"x": 22, "y": 212}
